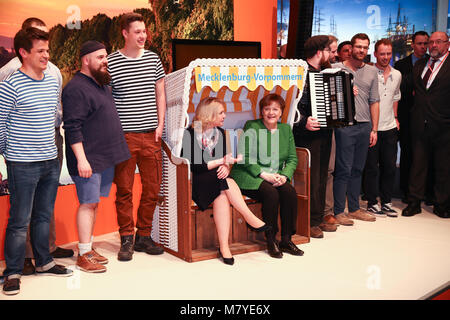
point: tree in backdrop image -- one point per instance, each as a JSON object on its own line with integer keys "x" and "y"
{"x": 165, "y": 20}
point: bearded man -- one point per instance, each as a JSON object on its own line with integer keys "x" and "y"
{"x": 94, "y": 144}
{"x": 308, "y": 134}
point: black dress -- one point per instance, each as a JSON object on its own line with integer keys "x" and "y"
{"x": 206, "y": 187}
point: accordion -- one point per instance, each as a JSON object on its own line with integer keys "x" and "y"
{"x": 332, "y": 98}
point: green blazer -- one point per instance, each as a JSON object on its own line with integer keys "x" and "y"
{"x": 264, "y": 151}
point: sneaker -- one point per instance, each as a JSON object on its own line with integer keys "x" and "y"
{"x": 376, "y": 211}
{"x": 88, "y": 263}
{"x": 57, "y": 271}
{"x": 344, "y": 220}
{"x": 389, "y": 210}
{"x": 11, "y": 286}
{"x": 147, "y": 245}
{"x": 359, "y": 215}
{"x": 60, "y": 253}
{"x": 98, "y": 257}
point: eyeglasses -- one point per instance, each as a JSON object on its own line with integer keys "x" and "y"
{"x": 438, "y": 42}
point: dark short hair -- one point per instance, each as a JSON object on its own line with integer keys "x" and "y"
{"x": 360, "y": 36}
{"x": 342, "y": 44}
{"x": 268, "y": 99}
{"x": 384, "y": 41}
{"x": 25, "y": 37}
{"x": 419, "y": 33}
{"x": 36, "y": 21}
{"x": 316, "y": 43}
{"x": 129, "y": 18}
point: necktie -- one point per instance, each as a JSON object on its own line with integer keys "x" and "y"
{"x": 428, "y": 73}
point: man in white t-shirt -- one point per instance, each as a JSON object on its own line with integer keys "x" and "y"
{"x": 381, "y": 158}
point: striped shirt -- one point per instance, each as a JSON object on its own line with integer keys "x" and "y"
{"x": 27, "y": 117}
{"x": 14, "y": 64}
{"x": 133, "y": 87}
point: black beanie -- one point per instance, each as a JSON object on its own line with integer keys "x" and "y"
{"x": 90, "y": 46}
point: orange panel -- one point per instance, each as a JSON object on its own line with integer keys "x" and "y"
{"x": 257, "y": 23}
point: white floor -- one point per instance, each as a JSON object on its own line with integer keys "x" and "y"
{"x": 392, "y": 258}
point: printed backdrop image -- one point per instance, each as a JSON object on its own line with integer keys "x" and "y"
{"x": 393, "y": 19}
{"x": 71, "y": 23}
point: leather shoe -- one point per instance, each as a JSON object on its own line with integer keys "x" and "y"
{"x": 411, "y": 210}
{"x": 274, "y": 249}
{"x": 62, "y": 253}
{"x": 327, "y": 227}
{"x": 440, "y": 212}
{"x": 330, "y": 219}
{"x": 28, "y": 267}
{"x": 316, "y": 232}
{"x": 291, "y": 248}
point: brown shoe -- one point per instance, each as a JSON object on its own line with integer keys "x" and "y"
{"x": 87, "y": 263}
{"x": 360, "y": 215}
{"x": 99, "y": 258}
{"x": 328, "y": 227}
{"x": 344, "y": 220}
{"x": 316, "y": 232}
{"x": 330, "y": 219}
{"x": 28, "y": 267}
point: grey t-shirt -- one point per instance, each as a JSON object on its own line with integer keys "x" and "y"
{"x": 366, "y": 79}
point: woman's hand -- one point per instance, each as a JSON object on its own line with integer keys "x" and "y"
{"x": 273, "y": 178}
{"x": 280, "y": 180}
{"x": 223, "y": 171}
{"x": 229, "y": 159}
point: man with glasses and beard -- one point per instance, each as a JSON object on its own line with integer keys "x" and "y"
{"x": 308, "y": 134}
{"x": 94, "y": 144}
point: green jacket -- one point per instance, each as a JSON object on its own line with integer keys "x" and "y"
{"x": 264, "y": 152}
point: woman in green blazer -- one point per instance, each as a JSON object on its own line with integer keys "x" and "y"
{"x": 264, "y": 174}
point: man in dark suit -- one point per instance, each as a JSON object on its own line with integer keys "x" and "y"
{"x": 430, "y": 118}
{"x": 405, "y": 66}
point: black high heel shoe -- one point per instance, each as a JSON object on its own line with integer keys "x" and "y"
{"x": 229, "y": 261}
{"x": 265, "y": 227}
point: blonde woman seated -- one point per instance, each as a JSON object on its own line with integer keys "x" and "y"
{"x": 270, "y": 160}
{"x": 204, "y": 146}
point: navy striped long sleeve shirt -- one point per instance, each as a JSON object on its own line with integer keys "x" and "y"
{"x": 27, "y": 118}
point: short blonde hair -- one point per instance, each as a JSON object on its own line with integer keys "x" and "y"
{"x": 207, "y": 111}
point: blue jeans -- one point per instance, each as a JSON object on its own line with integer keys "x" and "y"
{"x": 33, "y": 187}
{"x": 352, "y": 144}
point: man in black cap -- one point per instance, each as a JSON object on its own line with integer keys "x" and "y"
{"x": 94, "y": 144}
